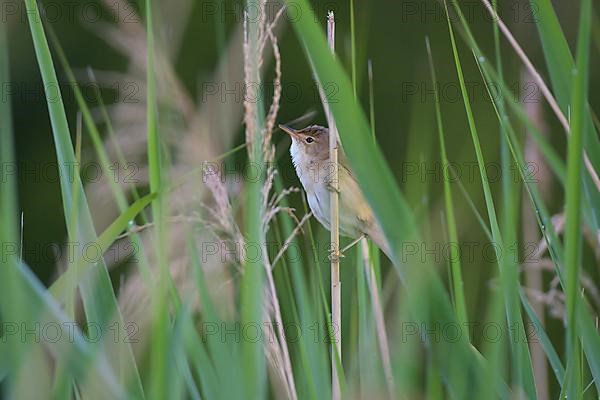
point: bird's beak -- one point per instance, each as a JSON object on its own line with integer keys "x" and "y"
{"x": 290, "y": 131}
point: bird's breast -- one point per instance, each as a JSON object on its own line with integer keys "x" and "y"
{"x": 318, "y": 201}
{"x": 312, "y": 173}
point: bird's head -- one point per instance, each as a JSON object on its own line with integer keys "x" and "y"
{"x": 312, "y": 141}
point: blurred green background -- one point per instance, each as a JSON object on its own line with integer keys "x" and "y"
{"x": 390, "y": 33}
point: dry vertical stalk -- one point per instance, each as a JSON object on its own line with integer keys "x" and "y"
{"x": 336, "y": 285}
{"x": 534, "y": 276}
{"x": 277, "y": 351}
{"x": 542, "y": 85}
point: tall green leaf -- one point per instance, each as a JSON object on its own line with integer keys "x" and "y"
{"x": 252, "y": 285}
{"x": 573, "y": 231}
{"x": 590, "y": 337}
{"x": 455, "y": 264}
{"x": 560, "y": 64}
{"x": 98, "y": 296}
{"x": 508, "y": 271}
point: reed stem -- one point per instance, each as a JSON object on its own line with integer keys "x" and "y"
{"x": 336, "y": 285}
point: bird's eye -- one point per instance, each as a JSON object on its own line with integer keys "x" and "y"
{"x": 309, "y": 140}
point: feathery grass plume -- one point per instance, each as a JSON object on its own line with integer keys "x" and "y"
{"x": 197, "y": 137}
{"x": 200, "y": 136}
{"x": 259, "y": 131}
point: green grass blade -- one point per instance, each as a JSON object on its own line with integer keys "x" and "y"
{"x": 301, "y": 309}
{"x": 81, "y": 358}
{"x": 105, "y": 164}
{"x": 551, "y": 354}
{"x": 217, "y": 365}
{"x": 573, "y": 231}
{"x": 253, "y": 281}
{"x": 92, "y": 129}
{"x": 112, "y": 137}
{"x": 510, "y": 190}
{"x": 88, "y": 120}
{"x": 99, "y": 299}
{"x": 371, "y": 99}
{"x": 556, "y": 50}
{"x": 560, "y": 64}
{"x": 508, "y": 271}
{"x": 590, "y": 337}
{"x": 455, "y": 264}
{"x": 23, "y": 357}
{"x": 554, "y": 161}
{"x": 160, "y": 322}
{"x": 324, "y": 329}
{"x": 8, "y": 194}
{"x": 105, "y": 240}
{"x": 14, "y": 305}
{"x": 353, "y": 49}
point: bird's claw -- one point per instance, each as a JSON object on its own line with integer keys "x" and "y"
{"x": 332, "y": 187}
{"x": 335, "y": 255}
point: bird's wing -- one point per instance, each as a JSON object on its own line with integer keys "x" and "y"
{"x": 344, "y": 163}
{"x": 357, "y": 203}
{"x": 364, "y": 214}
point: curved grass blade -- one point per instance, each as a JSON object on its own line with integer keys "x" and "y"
{"x": 105, "y": 240}
{"x": 217, "y": 364}
{"x": 23, "y": 298}
{"x": 87, "y": 119}
{"x": 78, "y": 355}
{"x": 455, "y": 264}
{"x": 15, "y": 305}
{"x": 560, "y": 64}
{"x": 98, "y": 296}
{"x": 551, "y": 354}
{"x": 589, "y": 334}
{"x": 94, "y": 133}
{"x": 590, "y": 337}
{"x": 508, "y": 271}
{"x": 389, "y": 207}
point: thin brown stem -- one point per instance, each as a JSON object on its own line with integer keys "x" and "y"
{"x": 542, "y": 85}
{"x": 290, "y": 239}
{"x": 533, "y": 276}
{"x": 336, "y": 285}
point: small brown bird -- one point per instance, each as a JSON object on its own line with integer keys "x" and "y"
{"x": 310, "y": 156}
